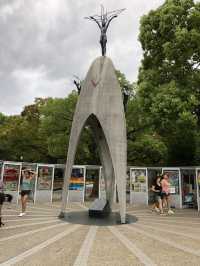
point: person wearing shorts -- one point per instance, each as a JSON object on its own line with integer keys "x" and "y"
{"x": 166, "y": 192}
{"x": 156, "y": 188}
{"x": 2, "y": 199}
{"x": 26, "y": 188}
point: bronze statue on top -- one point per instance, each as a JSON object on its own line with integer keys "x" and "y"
{"x": 103, "y": 21}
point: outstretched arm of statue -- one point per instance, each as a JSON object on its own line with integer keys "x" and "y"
{"x": 91, "y": 17}
{"x": 110, "y": 21}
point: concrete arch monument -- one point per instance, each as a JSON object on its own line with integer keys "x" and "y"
{"x": 100, "y": 106}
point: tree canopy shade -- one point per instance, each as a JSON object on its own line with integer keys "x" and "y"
{"x": 169, "y": 77}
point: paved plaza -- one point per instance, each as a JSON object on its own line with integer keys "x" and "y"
{"x": 40, "y": 238}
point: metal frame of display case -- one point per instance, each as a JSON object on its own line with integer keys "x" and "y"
{"x": 198, "y": 189}
{"x": 57, "y": 166}
{"x": 195, "y": 179}
{"x": 100, "y": 169}
{"x": 132, "y": 192}
{"x": 18, "y": 186}
{"x": 83, "y": 191}
{"x": 85, "y": 167}
{"x": 180, "y": 185}
{"x": 94, "y": 167}
{"x": 1, "y": 169}
{"x": 36, "y": 181}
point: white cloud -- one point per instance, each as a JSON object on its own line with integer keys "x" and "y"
{"x": 9, "y": 8}
{"x": 45, "y": 42}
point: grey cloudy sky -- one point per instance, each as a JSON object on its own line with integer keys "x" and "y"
{"x": 44, "y": 42}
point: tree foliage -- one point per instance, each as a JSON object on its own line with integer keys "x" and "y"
{"x": 169, "y": 76}
{"x": 163, "y": 110}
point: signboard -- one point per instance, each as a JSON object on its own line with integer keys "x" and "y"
{"x": 77, "y": 179}
{"x": 172, "y": 190}
{"x": 198, "y": 181}
{"x": 1, "y": 167}
{"x": 174, "y": 180}
{"x": 92, "y": 184}
{"x": 138, "y": 180}
{"x": 45, "y": 175}
{"x": 58, "y": 179}
{"x": 11, "y": 177}
{"x": 102, "y": 185}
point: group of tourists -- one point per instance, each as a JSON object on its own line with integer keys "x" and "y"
{"x": 26, "y": 187}
{"x": 161, "y": 190}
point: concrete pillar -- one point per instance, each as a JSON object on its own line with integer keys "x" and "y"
{"x": 100, "y": 105}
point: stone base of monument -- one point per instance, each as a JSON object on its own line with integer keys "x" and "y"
{"x": 100, "y": 208}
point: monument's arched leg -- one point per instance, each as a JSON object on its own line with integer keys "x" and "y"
{"x": 100, "y": 102}
{"x": 73, "y": 143}
{"x": 117, "y": 155}
{"x": 105, "y": 157}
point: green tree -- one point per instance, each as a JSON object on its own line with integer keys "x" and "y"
{"x": 56, "y": 119}
{"x": 145, "y": 147}
{"x": 169, "y": 76}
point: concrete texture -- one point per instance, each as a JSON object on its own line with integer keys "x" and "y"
{"x": 100, "y": 106}
{"x": 151, "y": 240}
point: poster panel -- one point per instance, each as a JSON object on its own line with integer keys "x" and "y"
{"x": 58, "y": 179}
{"x": 1, "y": 168}
{"x": 138, "y": 180}
{"x": 45, "y": 175}
{"x": 11, "y": 177}
{"x": 77, "y": 179}
{"x": 102, "y": 186}
{"x": 58, "y": 183}
{"x": 174, "y": 181}
{"x": 32, "y": 167}
{"x": 198, "y": 182}
{"x": 92, "y": 184}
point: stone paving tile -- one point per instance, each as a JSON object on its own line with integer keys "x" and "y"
{"x": 106, "y": 249}
{"x": 64, "y": 252}
{"x": 161, "y": 253}
{"x": 19, "y": 230}
{"x": 185, "y": 241}
{"x": 193, "y": 229}
{"x": 11, "y": 248}
{"x": 110, "y": 252}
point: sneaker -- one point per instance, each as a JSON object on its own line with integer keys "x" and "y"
{"x": 157, "y": 209}
{"x": 170, "y": 212}
{"x": 22, "y": 214}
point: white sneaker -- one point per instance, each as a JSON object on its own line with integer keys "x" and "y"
{"x": 157, "y": 210}
{"x": 170, "y": 212}
{"x": 22, "y": 214}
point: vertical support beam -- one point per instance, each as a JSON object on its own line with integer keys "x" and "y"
{"x": 53, "y": 172}
{"x": 198, "y": 195}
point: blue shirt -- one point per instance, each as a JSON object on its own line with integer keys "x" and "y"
{"x": 27, "y": 184}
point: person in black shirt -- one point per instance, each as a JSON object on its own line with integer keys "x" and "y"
{"x": 157, "y": 189}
